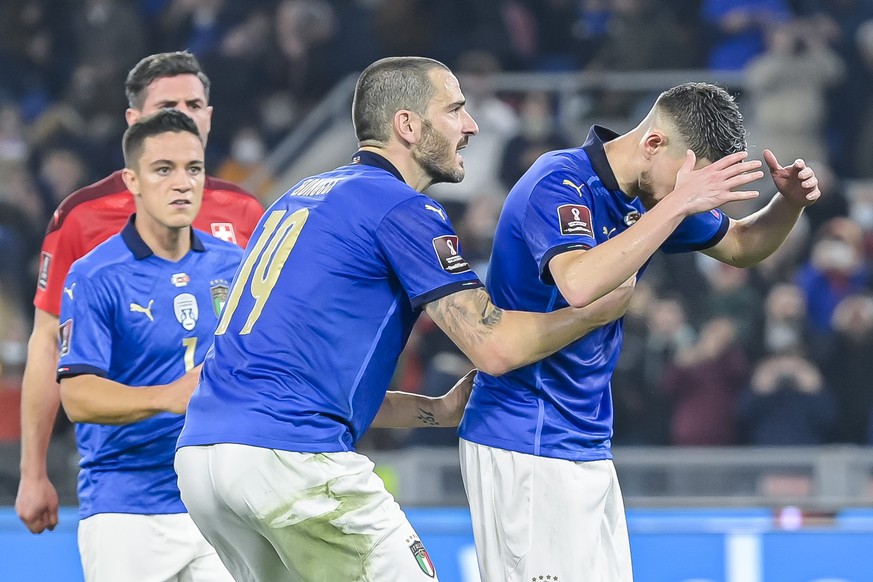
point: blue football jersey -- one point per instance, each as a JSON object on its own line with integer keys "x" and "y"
{"x": 135, "y": 318}
{"x": 332, "y": 281}
{"x": 561, "y": 406}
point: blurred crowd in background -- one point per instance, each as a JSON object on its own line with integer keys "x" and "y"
{"x": 713, "y": 355}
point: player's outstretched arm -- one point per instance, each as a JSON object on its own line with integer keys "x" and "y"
{"x": 406, "y": 410}
{"x": 498, "y": 341}
{"x": 90, "y": 398}
{"x": 752, "y": 239}
{"x": 584, "y": 276}
{"x": 37, "y": 501}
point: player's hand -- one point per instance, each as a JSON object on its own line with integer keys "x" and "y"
{"x": 455, "y": 400}
{"x": 709, "y": 187}
{"x": 37, "y": 504}
{"x": 614, "y": 304}
{"x": 179, "y": 392}
{"x": 797, "y": 183}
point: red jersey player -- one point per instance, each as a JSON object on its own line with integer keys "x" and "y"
{"x": 85, "y": 219}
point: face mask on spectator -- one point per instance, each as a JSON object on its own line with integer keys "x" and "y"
{"x": 862, "y": 213}
{"x": 834, "y": 255}
{"x": 247, "y": 150}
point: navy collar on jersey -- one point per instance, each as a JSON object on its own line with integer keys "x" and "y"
{"x": 373, "y": 159}
{"x": 593, "y": 146}
{"x": 141, "y": 250}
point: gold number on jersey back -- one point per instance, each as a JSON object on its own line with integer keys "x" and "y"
{"x": 271, "y": 250}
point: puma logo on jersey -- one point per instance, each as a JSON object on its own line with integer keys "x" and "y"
{"x": 606, "y": 232}
{"x": 577, "y": 188}
{"x": 69, "y": 291}
{"x": 140, "y": 309}
{"x": 435, "y": 209}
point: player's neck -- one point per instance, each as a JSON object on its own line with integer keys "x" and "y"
{"x": 166, "y": 242}
{"x": 412, "y": 173}
{"x": 620, "y": 153}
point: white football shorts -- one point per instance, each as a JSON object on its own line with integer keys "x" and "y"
{"x": 301, "y": 517}
{"x": 147, "y": 548}
{"x": 539, "y": 518}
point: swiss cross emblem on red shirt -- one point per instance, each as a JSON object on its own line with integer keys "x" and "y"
{"x": 224, "y": 231}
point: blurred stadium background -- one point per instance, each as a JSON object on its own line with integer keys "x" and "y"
{"x": 724, "y": 480}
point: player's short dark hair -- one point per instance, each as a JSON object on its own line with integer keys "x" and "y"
{"x": 386, "y": 87}
{"x": 707, "y": 117}
{"x": 158, "y": 66}
{"x": 163, "y": 121}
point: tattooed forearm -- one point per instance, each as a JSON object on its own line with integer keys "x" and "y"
{"x": 427, "y": 417}
{"x": 468, "y": 315}
{"x": 489, "y": 314}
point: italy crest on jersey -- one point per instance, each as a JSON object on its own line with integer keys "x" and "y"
{"x": 422, "y": 557}
{"x": 186, "y": 310}
{"x": 218, "y": 290}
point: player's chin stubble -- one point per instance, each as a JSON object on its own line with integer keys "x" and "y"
{"x": 436, "y": 156}
{"x": 644, "y": 190}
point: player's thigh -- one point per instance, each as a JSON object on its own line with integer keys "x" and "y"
{"x": 499, "y": 491}
{"x": 327, "y": 515}
{"x": 578, "y": 530}
{"x": 537, "y": 516}
{"x": 241, "y": 549}
{"x": 152, "y": 548}
{"x": 205, "y": 566}
{"x": 402, "y": 556}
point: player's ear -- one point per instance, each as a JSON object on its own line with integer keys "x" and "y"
{"x": 132, "y": 115}
{"x": 130, "y": 180}
{"x": 407, "y": 125}
{"x": 208, "y": 123}
{"x": 653, "y": 142}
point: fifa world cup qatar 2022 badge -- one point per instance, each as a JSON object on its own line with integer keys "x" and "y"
{"x": 218, "y": 290}
{"x": 448, "y": 254}
{"x": 421, "y": 556}
{"x": 575, "y": 219}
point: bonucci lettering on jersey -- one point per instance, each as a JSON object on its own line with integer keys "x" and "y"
{"x": 315, "y": 187}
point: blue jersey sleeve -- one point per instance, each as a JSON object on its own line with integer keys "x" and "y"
{"x": 86, "y": 328}
{"x": 698, "y": 232}
{"x": 423, "y": 249}
{"x": 558, "y": 218}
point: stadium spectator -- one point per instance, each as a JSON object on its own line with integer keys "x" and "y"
{"x": 863, "y": 86}
{"x": 35, "y": 37}
{"x": 659, "y": 44}
{"x": 85, "y": 219}
{"x": 20, "y": 246}
{"x": 247, "y": 153}
{"x": 790, "y": 81}
{"x": 137, "y": 318}
{"x": 786, "y": 403}
{"x": 836, "y": 269}
{"x": 538, "y": 133}
{"x": 785, "y": 329}
{"x": 848, "y": 366}
{"x": 703, "y": 383}
{"x": 578, "y": 223}
{"x": 61, "y": 171}
{"x": 841, "y": 21}
{"x": 654, "y": 330}
{"x": 737, "y": 29}
{"x": 375, "y": 253}
{"x": 731, "y": 294}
